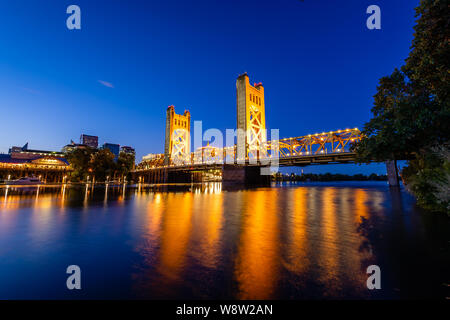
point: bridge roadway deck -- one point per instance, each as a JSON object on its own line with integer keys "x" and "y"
{"x": 295, "y": 160}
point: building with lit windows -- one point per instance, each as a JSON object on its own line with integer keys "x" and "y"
{"x": 128, "y": 150}
{"x": 49, "y": 166}
{"x": 90, "y": 141}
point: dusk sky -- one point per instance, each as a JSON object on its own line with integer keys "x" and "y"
{"x": 115, "y": 77}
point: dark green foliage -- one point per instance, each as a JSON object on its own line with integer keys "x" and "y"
{"x": 98, "y": 165}
{"x": 103, "y": 165}
{"x": 411, "y": 112}
{"x": 428, "y": 177}
{"x": 125, "y": 163}
{"x": 80, "y": 160}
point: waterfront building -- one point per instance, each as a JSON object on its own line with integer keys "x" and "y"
{"x": 49, "y": 166}
{"x": 31, "y": 154}
{"x": 90, "y": 141}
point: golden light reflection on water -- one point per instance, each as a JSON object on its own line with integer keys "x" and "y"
{"x": 361, "y": 209}
{"x": 155, "y": 212}
{"x": 182, "y": 229}
{"x": 297, "y": 251}
{"x": 175, "y": 233}
{"x": 208, "y": 210}
{"x": 328, "y": 258}
{"x": 302, "y": 231}
{"x": 258, "y": 250}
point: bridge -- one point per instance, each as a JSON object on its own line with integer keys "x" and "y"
{"x": 252, "y": 158}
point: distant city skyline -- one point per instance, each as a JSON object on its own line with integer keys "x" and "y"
{"x": 116, "y": 76}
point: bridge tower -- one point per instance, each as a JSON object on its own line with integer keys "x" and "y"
{"x": 177, "y": 146}
{"x": 251, "y": 118}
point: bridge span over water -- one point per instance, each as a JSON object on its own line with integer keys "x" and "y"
{"x": 249, "y": 160}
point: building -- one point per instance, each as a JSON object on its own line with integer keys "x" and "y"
{"x": 72, "y": 146}
{"x": 30, "y": 154}
{"x": 50, "y": 166}
{"x": 90, "y": 141}
{"x": 114, "y": 148}
{"x": 128, "y": 150}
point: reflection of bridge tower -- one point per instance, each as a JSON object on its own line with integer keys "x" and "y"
{"x": 251, "y": 118}
{"x": 177, "y": 146}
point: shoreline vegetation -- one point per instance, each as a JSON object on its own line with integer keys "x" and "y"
{"x": 92, "y": 165}
{"x": 411, "y": 112}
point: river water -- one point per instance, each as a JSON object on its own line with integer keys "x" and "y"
{"x": 289, "y": 241}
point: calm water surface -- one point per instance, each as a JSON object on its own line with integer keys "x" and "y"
{"x": 294, "y": 241}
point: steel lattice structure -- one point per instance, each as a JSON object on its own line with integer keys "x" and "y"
{"x": 320, "y": 144}
{"x": 251, "y": 140}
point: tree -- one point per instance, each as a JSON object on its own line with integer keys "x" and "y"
{"x": 427, "y": 63}
{"x": 79, "y": 160}
{"x": 102, "y": 164}
{"x": 411, "y": 109}
{"x": 125, "y": 163}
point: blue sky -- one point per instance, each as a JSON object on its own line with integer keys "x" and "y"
{"x": 116, "y": 76}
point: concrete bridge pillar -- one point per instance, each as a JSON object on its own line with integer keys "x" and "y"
{"x": 392, "y": 173}
{"x": 236, "y": 175}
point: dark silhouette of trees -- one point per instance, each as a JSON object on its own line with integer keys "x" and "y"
{"x": 411, "y": 112}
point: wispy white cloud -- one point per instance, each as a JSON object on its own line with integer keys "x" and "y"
{"x": 106, "y": 83}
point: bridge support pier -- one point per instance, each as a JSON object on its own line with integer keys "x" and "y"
{"x": 179, "y": 177}
{"x": 236, "y": 175}
{"x": 392, "y": 173}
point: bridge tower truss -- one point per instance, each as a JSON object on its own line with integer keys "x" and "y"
{"x": 177, "y": 148}
{"x": 251, "y": 119}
